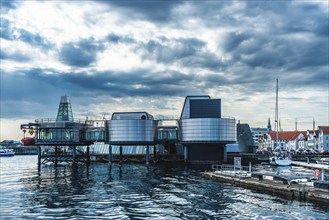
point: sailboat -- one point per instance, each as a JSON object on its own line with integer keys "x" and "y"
{"x": 278, "y": 157}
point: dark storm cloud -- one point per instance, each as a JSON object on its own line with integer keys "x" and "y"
{"x": 15, "y": 34}
{"x": 137, "y": 83}
{"x": 115, "y": 38}
{"x": 34, "y": 39}
{"x": 256, "y": 50}
{"x": 262, "y": 50}
{"x": 157, "y": 11}
{"x": 187, "y": 52}
{"x": 15, "y": 56}
{"x": 44, "y": 83}
{"x": 292, "y": 16}
{"x": 7, "y": 5}
{"x": 261, "y": 40}
{"x": 80, "y": 54}
{"x": 4, "y": 31}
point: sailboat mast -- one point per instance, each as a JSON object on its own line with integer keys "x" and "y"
{"x": 277, "y": 113}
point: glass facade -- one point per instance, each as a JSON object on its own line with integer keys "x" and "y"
{"x": 65, "y": 110}
{"x": 167, "y": 134}
{"x": 52, "y": 132}
{"x": 55, "y": 134}
{"x": 95, "y": 135}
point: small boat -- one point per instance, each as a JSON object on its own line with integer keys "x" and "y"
{"x": 6, "y": 152}
{"x": 28, "y": 141}
{"x": 280, "y": 160}
{"x": 323, "y": 161}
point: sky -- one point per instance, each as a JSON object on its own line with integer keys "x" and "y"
{"x": 147, "y": 55}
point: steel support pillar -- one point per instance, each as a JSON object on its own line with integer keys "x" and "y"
{"x": 185, "y": 154}
{"x": 88, "y": 155}
{"x": 120, "y": 153}
{"x": 110, "y": 154}
{"x": 74, "y": 152}
{"x": 56, "y": 154}
{"x": 39, "y": 157}
{"x": 154, "y": 153}
{"x": 225, "y": 153}
{"x": 147, "y": 156}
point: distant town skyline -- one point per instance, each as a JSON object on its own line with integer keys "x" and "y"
{"x": 110, "y": 56}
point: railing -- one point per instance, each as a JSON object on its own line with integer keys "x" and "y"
{"x": 47, "y": 120}
{"x": 231, "y": 170}
{"x": 230, "y": 167}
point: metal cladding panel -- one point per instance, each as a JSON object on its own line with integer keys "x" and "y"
{"x": 205, "y": 108}
{"x": 131, "y": 131}
{"x": 207, "y": 130}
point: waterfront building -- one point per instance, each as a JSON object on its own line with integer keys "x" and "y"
{"x": 259, "y": 137}
{"x": 323, "y": 138}
{"x": 287, "y": 140}
{"x": 203, "y": 132}
{"x": 313, "y": 140}
{"x": 245, "y": 139}
{"x": 298, "y": 142}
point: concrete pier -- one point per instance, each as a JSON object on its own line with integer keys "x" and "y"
{"x": 275, "y": 186}
{"x": 311, "y": 165}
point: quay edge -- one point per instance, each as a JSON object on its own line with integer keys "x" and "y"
{"x": 299, "y": 192}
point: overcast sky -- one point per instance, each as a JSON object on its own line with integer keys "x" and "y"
{"x": 148, "y": 55}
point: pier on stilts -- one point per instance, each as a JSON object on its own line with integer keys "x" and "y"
{"x": 62, "y": 140}
{"x": 66, "y": 139}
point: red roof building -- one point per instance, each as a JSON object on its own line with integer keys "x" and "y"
{"x": 286, "y": 135}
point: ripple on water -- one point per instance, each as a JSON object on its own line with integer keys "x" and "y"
{"x": 133, "y": 191}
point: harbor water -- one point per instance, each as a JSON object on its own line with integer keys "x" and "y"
{"x": 133, "y": 191}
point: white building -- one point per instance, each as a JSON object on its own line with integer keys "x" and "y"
{"x": 313, "y": 140}
{"x": 323, "y": 138}
{"x": 287, "y": 140}
{"x": 259, "y": 136}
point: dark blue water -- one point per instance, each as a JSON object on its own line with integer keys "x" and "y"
{"x": 133, "y": 191}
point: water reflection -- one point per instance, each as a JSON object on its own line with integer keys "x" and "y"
{"x": 130, "y": 191}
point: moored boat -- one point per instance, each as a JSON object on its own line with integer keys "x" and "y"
{"x": 279, "y": 157}
{"x": 323, "y": 161}
{"x": 4, "y": 152}
{"x": 28, "y": 141}
{"x": 279, "y": 160}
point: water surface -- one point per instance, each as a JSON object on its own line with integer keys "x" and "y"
{"x": 133, "y": 191}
